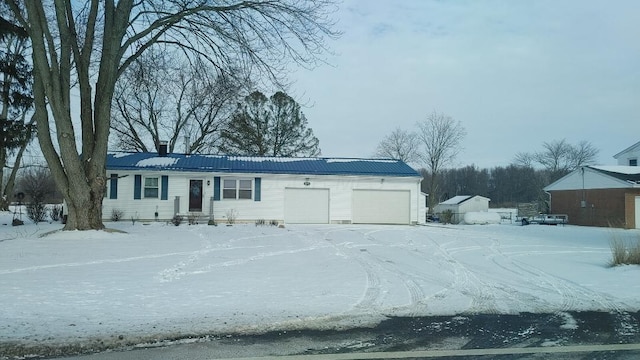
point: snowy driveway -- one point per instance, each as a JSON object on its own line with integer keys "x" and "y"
{"x": 160, "y": 281}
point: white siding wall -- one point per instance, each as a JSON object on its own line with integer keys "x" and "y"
{"x": 632, "y": 154}
{"x": 591, "y": 180}
{"x": 144, "y": 209}
{"x": 271, "y": 205}
{"x": 475, "y": 204}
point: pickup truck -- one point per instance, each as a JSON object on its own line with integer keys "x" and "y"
{"x": 546, "y": 219}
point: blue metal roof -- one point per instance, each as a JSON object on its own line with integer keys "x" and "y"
{"x": 266, "y": 165}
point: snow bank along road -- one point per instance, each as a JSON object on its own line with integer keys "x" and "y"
{"x": 98, "y": 290}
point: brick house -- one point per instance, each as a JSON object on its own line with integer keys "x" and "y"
{"x": 607, "y": 196}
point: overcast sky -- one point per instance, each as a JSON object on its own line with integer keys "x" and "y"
{"x": 514, "y": 73}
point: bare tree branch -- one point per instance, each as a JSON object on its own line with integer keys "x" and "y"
{"x": 401, "y": 145}
{"x": 441, "y": 138}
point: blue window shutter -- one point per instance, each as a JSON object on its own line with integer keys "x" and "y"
{"x": 164, "y": 195}
{"x": 216, "y": 188}
{"x": 258, "y": 191}
{"x": 137, "y": 187}
{"x": 113, "y": 187}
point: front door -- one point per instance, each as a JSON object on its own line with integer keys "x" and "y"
{"x": 195, "y": 195}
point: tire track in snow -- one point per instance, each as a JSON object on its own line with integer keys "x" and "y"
{"x": 467, "y": 283}
{"x": 543, "y": 281}
{"x": 371, "y": 295}
{"x": 374, "y": 266}
{"x": 372, "y": 289}
{"x": 180, "y": 269}
{"x": 572, "y": 294}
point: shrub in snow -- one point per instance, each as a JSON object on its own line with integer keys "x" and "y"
{"x": 481, "y": 218}
{"x": 55, "y": 212}
{"x": 624, "y": 253}
{"x": 177, "y": 220}
{"x": 117, "y": 215}
{"x": 446, "y": 216}
{"x": 36, "y": 211}
{"x": 231, "y": 216}
{"x": 192, "y": 218}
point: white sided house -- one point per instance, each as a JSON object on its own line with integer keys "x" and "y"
{"x": 629, "y": 156}
{"x": 149, "y": 186}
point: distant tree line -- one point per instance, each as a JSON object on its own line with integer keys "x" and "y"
{"x": 436, "y": 141}
{"x": 519, "y": 182}
{"x": 506, "y": 186}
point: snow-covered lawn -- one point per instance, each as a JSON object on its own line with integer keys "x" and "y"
{"x": 162, "y": 281}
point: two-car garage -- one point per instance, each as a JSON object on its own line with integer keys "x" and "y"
{"x": 312, "y": 206}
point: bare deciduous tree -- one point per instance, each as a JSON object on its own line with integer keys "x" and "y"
{"x": 583, "y": 154}
{"x": 555, "y": 156}
{"x": 559, "y": 157}
{"x": 401, "y": 145}
{"x": 523, "y": 159}
{"x": 91, "y": 43}
{"x": 162, "y": 99}
{"x": 440, "y": 136}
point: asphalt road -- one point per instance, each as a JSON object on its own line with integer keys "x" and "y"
{"x": 572, "y": 335}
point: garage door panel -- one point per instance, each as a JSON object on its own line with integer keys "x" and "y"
{"x": 381, "y": 207}
{"x": 306, "y": 206}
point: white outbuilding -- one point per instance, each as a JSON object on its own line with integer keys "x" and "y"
{"x": 462, "y": 204}
{"x": 152, "y": 186}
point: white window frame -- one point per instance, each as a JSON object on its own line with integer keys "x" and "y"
{"x": 237, "y": 190}
{"x": 145, "y": 187}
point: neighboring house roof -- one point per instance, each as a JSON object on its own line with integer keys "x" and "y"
{"x": 626, "y": 173}
{"x": 459, "y": 199}
{"x": 267, "y": 165}
{"x": 598, "y": 177}
{"x": 456, "y": 200}
{"x": 630, "y": 148}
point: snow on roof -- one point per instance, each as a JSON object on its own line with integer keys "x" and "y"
{"x": 157, "y": 162}
{"x": 257, "y": 164}
{"x": 338, "y": 160}
{"x": 620, "y": 169}
{"x": 456, "y": 200}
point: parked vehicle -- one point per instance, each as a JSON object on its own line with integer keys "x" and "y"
{"x": 546, "y": 219}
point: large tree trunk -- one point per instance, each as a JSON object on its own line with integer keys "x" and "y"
{"x": 83, "y": 213}
{"x": 80, "y": 182}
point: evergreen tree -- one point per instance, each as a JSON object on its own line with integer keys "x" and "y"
{"x": 16, "y": 100}
{"x": 272, "y": 126}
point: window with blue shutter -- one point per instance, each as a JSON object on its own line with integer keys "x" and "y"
{"x": 164, "y": 195}
{"x": 258, "y": 192}
{"x": 137, "y": 187}
{"x": 216, "y": 188}
{"x": 113, "y": 186}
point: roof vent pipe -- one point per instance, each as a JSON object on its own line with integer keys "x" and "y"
{"x": 162, "y": 148}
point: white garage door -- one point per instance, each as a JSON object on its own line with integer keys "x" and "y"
{"x": 381, "y": 207}
{"x": 306, "y": 206}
